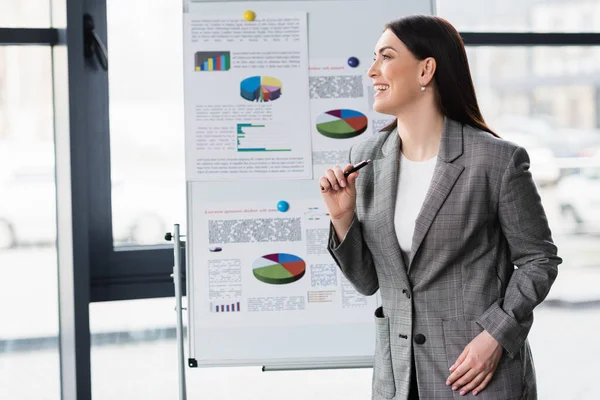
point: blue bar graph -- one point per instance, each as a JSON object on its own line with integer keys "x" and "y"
{"x": 251, "y": 135}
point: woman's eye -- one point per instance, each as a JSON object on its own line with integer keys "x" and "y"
{"x": 385, "y": 57}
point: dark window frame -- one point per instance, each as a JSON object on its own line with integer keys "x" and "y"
{"x": 28, "y": 36}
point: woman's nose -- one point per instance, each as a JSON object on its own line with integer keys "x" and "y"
{"x": 373, "y": 70}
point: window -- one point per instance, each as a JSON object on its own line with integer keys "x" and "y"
{"x": 521, "y": 15}
{"x": 25, "y": 13}
{"x": 538, "y": 98}
{"x": 146, "y": 120}
{"x": 29, "y": 355}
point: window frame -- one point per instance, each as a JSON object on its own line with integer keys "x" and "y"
{"x": 28, "y": 36}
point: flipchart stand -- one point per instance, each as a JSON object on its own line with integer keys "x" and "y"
{"x": 177, "y": 279}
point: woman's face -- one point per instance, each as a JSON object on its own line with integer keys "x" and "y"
{"x": 395, "y": 73}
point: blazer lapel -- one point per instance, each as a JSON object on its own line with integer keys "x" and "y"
{"x": 445, "y": 176}
{"x": 385, "y": 172}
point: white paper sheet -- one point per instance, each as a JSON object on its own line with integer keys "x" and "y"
{"x": 263, "y": 267}
{"x": 341, "y": 110}
{"x": 246, "y": 97}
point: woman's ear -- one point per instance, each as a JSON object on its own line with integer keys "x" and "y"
{"x": 428, "y": 67}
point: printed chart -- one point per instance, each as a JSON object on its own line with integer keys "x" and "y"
{"x": 279, "y": 268}
{"x": 212, "y": 61}
{"x": 260, "y": 88}
{"x": 257, "y": 138}
{"x": 342, "y": 124}
{"x": 231, "y": 307}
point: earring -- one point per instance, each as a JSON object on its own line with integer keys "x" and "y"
{"x": 422, "y": 88}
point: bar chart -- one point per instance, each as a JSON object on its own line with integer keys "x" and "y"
{"x": 212, "y": 61}
{"x": 222, "y": 307}
{"x": 259, "y": 138}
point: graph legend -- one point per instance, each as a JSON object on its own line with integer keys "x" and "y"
{"x": 212, "y": 61}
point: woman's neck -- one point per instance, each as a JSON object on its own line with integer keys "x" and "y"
{"x": 421, "y": 133}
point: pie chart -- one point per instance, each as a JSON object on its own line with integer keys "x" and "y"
{"x": 279, "y": 268}
{"x": 342, "y": 124}
{"x": 260, "y": 88}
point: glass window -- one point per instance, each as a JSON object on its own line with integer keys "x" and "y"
{"x": 146, "y": 120}
{"x": 521, "y": 15}
{"x": 540, "y": 98}
{"x": 24, "y": 13}
{"x": 547, "y": 100}
{"x": 29, "y": 355}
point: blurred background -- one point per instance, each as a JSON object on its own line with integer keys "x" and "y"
{"x": 545, "y": 98}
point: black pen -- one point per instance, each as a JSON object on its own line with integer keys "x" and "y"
{"x": 356, "y": 167}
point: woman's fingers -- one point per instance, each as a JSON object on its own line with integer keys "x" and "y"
{"x": 339, "y": 175}
{"x": 465, "y": 379}
{"x": 333, "y": 180}
{"x": 483, "y": 384}
{"x": 475, "y": 382}
{"x": 324, "y": 184}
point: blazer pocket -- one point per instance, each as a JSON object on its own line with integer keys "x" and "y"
{"x": 383, "y": 374}
{"x": 507, "y": 382}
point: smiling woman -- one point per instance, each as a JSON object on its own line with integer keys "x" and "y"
{"x": 408, "y": 62}
{"x": 438, "y": 225}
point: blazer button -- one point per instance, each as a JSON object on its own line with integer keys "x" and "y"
{"x": 419, "y": 339}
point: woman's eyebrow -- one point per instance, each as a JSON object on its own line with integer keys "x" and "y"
{"x": 385, "y": 48}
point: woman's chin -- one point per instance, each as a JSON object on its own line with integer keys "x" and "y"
{"x": 381, "y": 108}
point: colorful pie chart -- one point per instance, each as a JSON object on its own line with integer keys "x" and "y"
{"x": 342, "y": 124}
{"x": 279, "y": 268}
{"x": 260, "y": 88}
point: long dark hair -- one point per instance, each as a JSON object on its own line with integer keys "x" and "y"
{"x": 430, "y": 36}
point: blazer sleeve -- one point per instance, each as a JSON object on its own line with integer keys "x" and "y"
{"x": 354, "y": 258}
{"x": 525, "y": 226}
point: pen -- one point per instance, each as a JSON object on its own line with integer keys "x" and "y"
{"x": 356, "y": 167}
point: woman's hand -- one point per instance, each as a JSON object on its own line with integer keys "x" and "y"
{"x": 339, "y": 192}
{"x": 475, "y": 367}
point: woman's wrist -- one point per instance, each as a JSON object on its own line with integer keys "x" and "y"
{"x": 341, "y": 225}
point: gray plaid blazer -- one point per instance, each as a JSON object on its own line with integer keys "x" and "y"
{"x": 482, "y": 216}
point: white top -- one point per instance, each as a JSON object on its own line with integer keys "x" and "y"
{"x": 413, "y": 182}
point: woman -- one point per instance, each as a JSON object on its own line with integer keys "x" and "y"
{"x": 437, "y": 222}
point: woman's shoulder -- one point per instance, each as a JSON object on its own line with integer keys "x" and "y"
{"x": 486, "y": 146}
